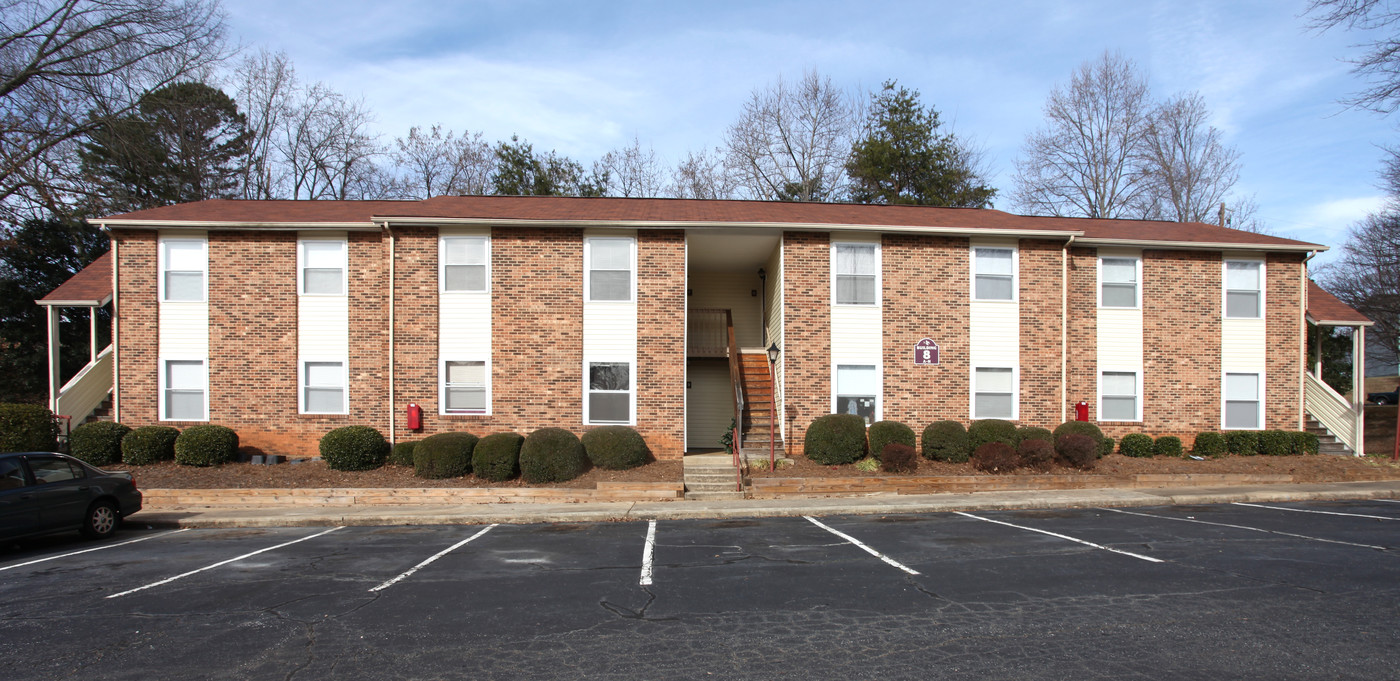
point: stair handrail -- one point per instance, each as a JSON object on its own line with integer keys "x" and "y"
{"x": 736, "y": 381}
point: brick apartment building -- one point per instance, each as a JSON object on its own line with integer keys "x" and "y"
{"x": 285, "y": 319}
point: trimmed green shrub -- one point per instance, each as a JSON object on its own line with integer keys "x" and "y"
{"x": 898, "y": 457}
{"x": 1209, "y": 444}
{"x": 552, "y": 455}
{"x": 995, "y": 457}
{"x": 1275, "y": 443}
{"x": 616, "y": 448}
{"x": 354, "y": 448}
{"x": 1305, "y": 442}
{"x": 206, "y": 445}
{"x": 1136, "y": 445}
{"x": 149, "y": 444}
{"x": 1167, "y": 445}
{"x": 882, "y": 433}
{"x": 1033, "y": 433}
{"x": 1085, "y": 428}
{"x": 945, "y": 441}
{"x": 1036, "y": 454}
{"x": 991, "y": 430}
{"x": 835, "y": 439}
{"x": 27, "y": 428}
{"x": 402, "y": 453}
{"x": 445, "y": 455}
{"x": 1077, "y": 451}
{"x": 497, "y": 457}
{"x": 98, "y": 443}
{"x": 1106, "y": 446}
{"x": 1242, "y": 442}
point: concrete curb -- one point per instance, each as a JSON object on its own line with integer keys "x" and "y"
{"x": 519, "y": 513}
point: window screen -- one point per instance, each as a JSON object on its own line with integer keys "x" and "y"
{"x": 856, "y": 267}
{"x": 994, "y": 394}
{"x": 1120, "y": 285}
{"x": 464, "y": 263}
{"x": 323, "y": 267}
{"x": 465, "y": 386}
{"x": 184, "y": 271}
{"x": 1242, "y": 289}
{"x": 994, "y": 273}
{"x": 184, "y": 390}
{"x": 1119, "y": 398}
{"x": 856, "y": 389}
{"x": 610, "y": 269}
{"x": 324, "y": 385}
{"x": 609, "y": 392}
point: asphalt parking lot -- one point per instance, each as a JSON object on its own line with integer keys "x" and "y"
{"x": 1266, "y": 591}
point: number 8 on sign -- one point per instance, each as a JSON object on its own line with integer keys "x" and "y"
{"x": 926, "y": 352}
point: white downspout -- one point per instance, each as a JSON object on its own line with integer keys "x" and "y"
{"x": 51, "y": 319}
{"x": 392, "y": 420}
{"x": 116, "y": 355}
{"x": 1358, "y": 389}
{"x": 1064, "y": 327}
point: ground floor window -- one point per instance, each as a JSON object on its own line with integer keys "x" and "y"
{"x": 1242, "y": 401}
{"x": 609, "y": 392}
{"x": 1118, "y": 396}
{"x": 185, "y": 387}
{"x": 464, "y": 387}
{"x": 994, "y": 393}
{"x": 323, "y": 387}
{"x": 856, "y": 389}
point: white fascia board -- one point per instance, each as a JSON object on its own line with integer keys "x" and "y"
{"x": 1315, "y": 320}
{"x": 763, "y": 226}
{"x": 262, "y": 226}
{"x": 1201, "y": 245}
{"x": 75, "y": 303}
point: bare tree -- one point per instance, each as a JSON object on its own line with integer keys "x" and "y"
{"x": 433, "y": 163}
{"x": 68, "y": 65}
{"x": 1380, "y": 64}
{"x": 1365, "y": 278}
{"x": 1187, "y": 170}
{"x": 631, "y": 171}
{"x": 701, "y": 175}
{"x": 329, "y": 150}
{"x": 1084, "y": 162}
{"x": 265, "y": 86}
{"x": 791, "y": 141}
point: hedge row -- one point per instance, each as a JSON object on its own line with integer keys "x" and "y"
{"x": 546, "y": 455}
{"x": 1212, "y": 444}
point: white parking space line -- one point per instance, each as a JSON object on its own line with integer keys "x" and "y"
{"x": 1308, "y": 510}
{"x": 223, "y": 562}
{"x": 99, "y": 548}
{"x": 863, "y": 547}
{"x": 430, "y": 560}
{"x": 1139, "y": 556}
{"x": 1244, "y": 527}
{"x": 1388, "y": 501}
{"x": 646, "y": 553}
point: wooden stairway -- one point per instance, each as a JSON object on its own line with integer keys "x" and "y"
{"x": 1327, "y": 442}
{"x": 758, "y": 402}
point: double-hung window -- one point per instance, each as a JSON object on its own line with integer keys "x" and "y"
{"x": 994, "y": 393}
{"x": 1118, "y": 282}
{"x": 183, "y": 263}
{"x": 323, "y": 267}
{"x": 464, "y": 263}
{"x": 1118, "y": 396}
{"x": 323, "y": 387}
{"x": 1244, "y": 289}
{"x": 464, "y": 387}
{"x": 610, "y": 265}
{"x": 856, "y": 271}
{"x": 857, "y": 390}
{"x": 185, "y": 387}
{"x": 1242, "y": 401}
{"x": 609, "y": 392}
{"x": 994, "y": 273}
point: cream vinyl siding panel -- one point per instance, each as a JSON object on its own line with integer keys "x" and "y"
{"x": 323, "y": 327}
{"x": 856, "y": 335}
{"x": 184, "y": 330}
{"x": 1242, "y": 345}
{"x": 709, "y": 406}
{"x": 774, "y": 296}
{"x": 995, "y": 334}
{"x": 731, "y": 291}
{"x": 464, "y": 326}
{"x": 610, "y": 332}
{"x": 1120, "y": 339}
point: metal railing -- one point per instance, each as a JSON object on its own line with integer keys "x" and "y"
{"x": 705, "y": 332}
{"x": 1331, "y": 410}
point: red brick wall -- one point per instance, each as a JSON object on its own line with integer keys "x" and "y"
{"x": 1283, "y": 319}
{"x": 1181, "y": 314}
{"x": 138, "y": 312}
{"x": 925, "y": 295}
{"x": 661, "y": 309}
{"x": 807, "y": 320}
{"x": 416, "y": 335}
{"x": 1082, "y": 332}
{"x": 1041, "y": 275}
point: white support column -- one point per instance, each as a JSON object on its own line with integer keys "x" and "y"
{"x": 1358, "y": 379}
{"x": 54, "y": 385}
{"x": 92, "y": 335}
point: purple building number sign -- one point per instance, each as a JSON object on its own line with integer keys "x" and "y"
{"x": 926, "y": 352}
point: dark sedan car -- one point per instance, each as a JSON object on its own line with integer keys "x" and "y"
{"x": 1392, "y": 397}
{"x": 44, "y": 492}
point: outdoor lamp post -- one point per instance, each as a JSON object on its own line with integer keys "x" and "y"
{"x": 772, "y": 404}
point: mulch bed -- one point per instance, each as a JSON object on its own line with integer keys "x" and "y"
{"x": 314, "y": 474}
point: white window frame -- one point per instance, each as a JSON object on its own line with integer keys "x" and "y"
{"x": 344, "y": 266}
{"x": 164, "y": 267}
{"x": 1015, "y": 392}
{"x": 442, "y": 387}
{"x": 1263, "y": 390}
{"x": 443, "y": 265}
{"x": 631, "y": 391}
{"x": 588, "y": 243}
{"x": 879, "y": 272}
{"x": 879, "y": 385}
{"x": 163, "y": 380}
{"x": 344, "y": 385}
{"x": 1137, "y": 396}
{"x": 1137, "y": 285}
{"x": 1015, "y": 274}
{"x": 1225, "y": 286}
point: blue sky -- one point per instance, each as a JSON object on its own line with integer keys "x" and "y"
{"x": 585, "y": 77}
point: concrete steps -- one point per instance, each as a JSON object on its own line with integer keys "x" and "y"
{"x": 1327, "y": 443}
{"x": 711, "y": 476}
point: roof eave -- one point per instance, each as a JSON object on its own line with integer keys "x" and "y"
{"x": 1334, "y": 322}
{"x": 728, "y": 224}
{"x": 1200, "y": 245}
{"x": 226, "y": 225}
{"x": 74, "y": 303}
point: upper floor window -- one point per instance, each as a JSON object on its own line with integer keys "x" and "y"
{"x": 1244, "y": 288}
{"x": 1118, "y": 282}
{"x": 323, "y": 267}
{"x": 464, "y": 263}
{"x": 609, "y": 267}
{"x": 994, "y": 273}
{"x": 857, "y": 266}
{"x": 183, "y": 263}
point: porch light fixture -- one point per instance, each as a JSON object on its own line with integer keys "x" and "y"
{"x": 773, "y": 353}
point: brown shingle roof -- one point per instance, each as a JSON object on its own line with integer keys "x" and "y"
{"x": 552, "y": 209}
{"x": 91, "y": 286}
{"x": 1326, "y": 308}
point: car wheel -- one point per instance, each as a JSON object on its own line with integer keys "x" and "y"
{"x": 101, "y": 520}
{"x": 1382, "y": 401}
